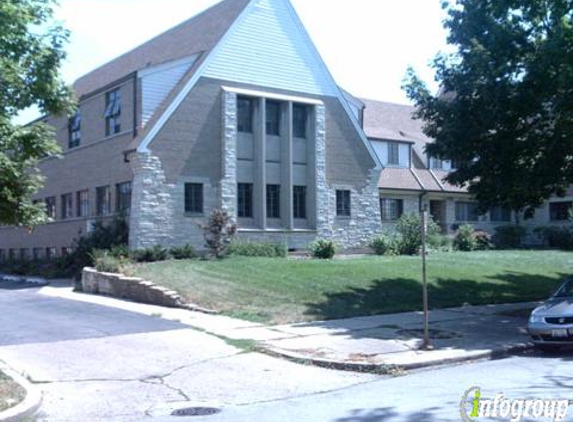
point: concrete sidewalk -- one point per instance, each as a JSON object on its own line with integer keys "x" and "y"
{"x": 393, "y": 342}
{"x": 374, "y": 344}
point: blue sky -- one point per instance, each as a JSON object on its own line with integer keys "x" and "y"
{"x": 367, "y": 44}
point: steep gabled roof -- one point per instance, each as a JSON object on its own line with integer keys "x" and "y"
{"x": 198, "y": 34}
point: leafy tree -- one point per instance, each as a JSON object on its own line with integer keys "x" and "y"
{"x": 31, "y": 53}
{"x": 505, "y": 109}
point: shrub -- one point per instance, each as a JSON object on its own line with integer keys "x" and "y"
{"x": 219, "y": 232}
{"x": 409, "y": 228}
{"x": 483, "y": 240}
{"x": 560, "y": 237}
{"x": 465, "y": 239}
{"x": 386, "y": 244}
{"x": 105, "y": 262}
{"x": 155, "y": 254}
{"x": 183, "y": 252}
{"x": 323, "y": 249}
{"x": 256, "y": 249}
{"x": 509, "y": 237}
{"x": 439, "y": 242}
{"x": 102, "y": 236}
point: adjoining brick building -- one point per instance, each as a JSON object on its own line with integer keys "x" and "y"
{"x": 235, "y": 109}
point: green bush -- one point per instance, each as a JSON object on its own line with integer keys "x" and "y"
{"x": 409, "y": 228}
{"x": 105, "y": 262}
{"x": 386, "y": 244}
{"x": 465, "y": 239}
{"x": 183, "y": 252}
{"x": 323, "y": 249}
{"x": 560, "y": 237}
{"x": 509, "y": 236}
{"x": 439, "y": 242}
{"x": 104, "y": 236}
{"x": 258, "y": 249}
{"x": 155, "y": 254}
{"x": 483, "y": 240}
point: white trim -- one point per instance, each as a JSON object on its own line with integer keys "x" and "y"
{"x": 271, "y": 95}
{"x": 144, "y": 145}
{"x": 340, "y": 94}
{"x": 166, "y": 66}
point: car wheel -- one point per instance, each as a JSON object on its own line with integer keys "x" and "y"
{"x": 547, "y": 348}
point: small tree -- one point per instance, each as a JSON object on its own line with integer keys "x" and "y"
{"x": 219, "y": 232}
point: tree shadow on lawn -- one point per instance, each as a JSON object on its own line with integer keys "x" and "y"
{"x": 404, "y": 295}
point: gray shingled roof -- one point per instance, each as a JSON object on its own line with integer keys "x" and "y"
{"x": 198, "y": 34}
{"x": 395, "y": 122}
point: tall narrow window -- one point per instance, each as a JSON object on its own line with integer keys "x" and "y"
{"x": 466, "y": 211}
{"x": 343, "y": 203}
{"x": 112, "y": 112}
{"x": 245, "y": 114}
{"x": 37, "y": 254}
{"x": 2, "y": 255}
{"x": 299, "y": 201}
{"x": 83, "y": 203}
{"x": 393, "y": 153}
{"x": 67, "y": 206}
{"x": 299, "y": 120}
{"x": 74, "y": 130}
{"x": 245, "y": 200}
{"x": 51, "y": 253}
{"x": 194, "y": 198}
{"x": 273, "y": 118}
{"x": 103, "y": 201}
{"x": 273, "y": 201}
{"x": 391, "y": 209}
{"x": 123, "y": 197}
{"x": 51, "y": 207}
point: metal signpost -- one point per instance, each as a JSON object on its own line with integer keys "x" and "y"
{"x": 427, "y": 344}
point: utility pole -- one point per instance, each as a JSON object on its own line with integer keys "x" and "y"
{"x": 427, "y": 344}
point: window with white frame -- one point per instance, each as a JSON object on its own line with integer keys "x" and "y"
{"x": 466, "y": 211}
{"x": 83, "y": 203}
{"x": 391, "y": 209}
{"x": 103, "y": 201}
{"x": 67, "y": 206}
{"x": 343, "y": 204}
{"x": 393, "y": 153}
{"x": 74, "y": 130}
{"x": 299, "y": 202}
{"x": 273, "y": 201}
{"x": 112, "y": 112}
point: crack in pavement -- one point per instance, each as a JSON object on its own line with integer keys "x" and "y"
{"x": 147, "y": 378}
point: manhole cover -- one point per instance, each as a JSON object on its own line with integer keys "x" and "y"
{"x": 196, "y": 411}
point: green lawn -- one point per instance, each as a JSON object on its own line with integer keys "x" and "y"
{"x": 10, "y": 393}
{"x": 288, "y": 290}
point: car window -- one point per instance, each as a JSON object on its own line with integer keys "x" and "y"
{"x": 566, "y": 290}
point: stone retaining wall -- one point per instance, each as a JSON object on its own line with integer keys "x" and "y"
{"x": 136, "y": 289}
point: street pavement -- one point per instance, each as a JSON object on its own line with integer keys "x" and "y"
{"x": 97, "y": 363}
{"x": 424, "y": 396}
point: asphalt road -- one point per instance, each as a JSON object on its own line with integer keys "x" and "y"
{"x": 429, "y": 396}
{"x": 96, "y": 363}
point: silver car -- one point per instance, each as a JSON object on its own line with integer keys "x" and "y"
{"x": 551, "y": 324}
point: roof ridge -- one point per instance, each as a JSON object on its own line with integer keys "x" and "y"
{"x": 200, "y": 32}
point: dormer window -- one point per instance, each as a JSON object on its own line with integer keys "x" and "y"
{"x": 74, "y": 130}
{"x": 112, "y": 112}
{"x": 393, "y": 153}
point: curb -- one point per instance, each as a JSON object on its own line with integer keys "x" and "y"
{"x": 26, "y": 408}
{"x": 23, "y": 279}
{"x": 389, "y": 368}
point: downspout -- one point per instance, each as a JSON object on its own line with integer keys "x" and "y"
{"x": 421, "y": 199}
{"x": 135, "y": 110}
